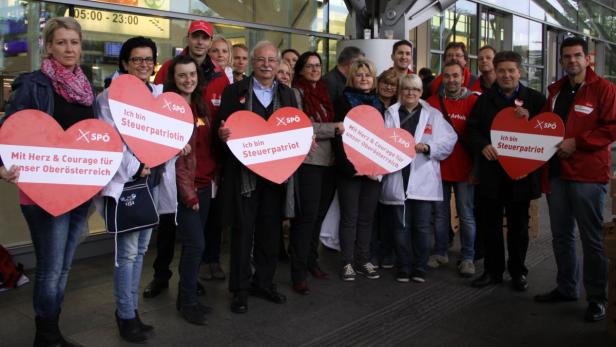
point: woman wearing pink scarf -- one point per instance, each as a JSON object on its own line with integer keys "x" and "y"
{"x": 60, "y": 89}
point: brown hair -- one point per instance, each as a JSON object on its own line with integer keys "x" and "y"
{"x": 68, "y": 23}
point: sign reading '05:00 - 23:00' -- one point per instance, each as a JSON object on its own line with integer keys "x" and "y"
{"x": 121, "y": 23}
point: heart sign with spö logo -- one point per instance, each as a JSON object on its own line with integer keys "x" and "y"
{"x": 273, "y": 148}
{"x": 59, "y": 170}
{"x": 154, "y": 128}
{"x": 372, "y": 148}
{"x": 523, "y": 145}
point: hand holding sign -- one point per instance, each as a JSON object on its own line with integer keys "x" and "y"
{"x": 155, "y": 128}
{"x": 272, "y": 149}
{"x": 524, "y": 145}
{"x": 59, "y": 170}
{"x": 372, "y": 148}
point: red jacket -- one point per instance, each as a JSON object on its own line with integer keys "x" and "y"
{"x": 216, "y": 82}
{"x": 458, "y": 166}
{"x": 469, "y": 82}
{"x": 592, "y": 122}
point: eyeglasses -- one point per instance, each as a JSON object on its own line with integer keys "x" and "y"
{"x": 388, "y": 85}
{"x": 140, "y": 60}
{"x": 312, "y": 66}
{"x": 263, "y": 60}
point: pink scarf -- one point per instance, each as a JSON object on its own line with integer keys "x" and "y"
{"x": 73, "y": 86}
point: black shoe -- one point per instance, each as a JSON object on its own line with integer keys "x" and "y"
{"x": 48, "y": 333}
{"x": 144, "y": 327}
{"x": 519, "y": 283}
{"x": 239, "y": 304}
{"x": 130, "y": 330}
{"x": 486, "y": 280}
{"x": 554, "y": 296}
{"x": 193, "y": 314}
{"x": 155, "y": 287}
{"x": 269, "y": 294}
{"x": 205, "y": 309}
{"x": 200, "y": 289}
{"x": 595, "y": 312}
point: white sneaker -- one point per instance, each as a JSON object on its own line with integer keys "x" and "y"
{"x": 466, "y": 268}
{"x": 436, "y": 260}
{"x": 348, "y": 273}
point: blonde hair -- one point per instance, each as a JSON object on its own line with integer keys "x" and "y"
{"x": 68, "y": 23}
{"x": 217, "y": 38}
{"x": 358, "y": 65}
{"x": 410, "y": 81}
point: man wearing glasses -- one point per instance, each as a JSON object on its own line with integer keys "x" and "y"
{"x": 455, "y": 51}
{"x": 253, "y": 205}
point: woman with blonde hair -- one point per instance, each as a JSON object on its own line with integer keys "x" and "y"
{"x": 285, "y": 73}
{"x": 358, "y": 194}
{"x": 220, "y": 53}
{"x": 62, "y": 90}
{"x": 410, "y": 193}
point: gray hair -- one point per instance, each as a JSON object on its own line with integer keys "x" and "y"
{"x": 349, "y": 54}
{"x": 262, "y": 44}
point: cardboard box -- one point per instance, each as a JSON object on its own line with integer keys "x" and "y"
{"x": 533, "y": 223}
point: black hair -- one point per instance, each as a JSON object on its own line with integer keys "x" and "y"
{"x": 507, "y": 56}
{"x": 452, "y": 63}
{"x": 574, "y": 41}
{"x": 289, "y": 50}
{"x": 456, "y": 45}
{"x": 424, "y": 72}
{"x": 401, "y": 43}
{"x": 196, "y": 97}
{"x": 132, "y": 43}
{"x": 301, "y": 62}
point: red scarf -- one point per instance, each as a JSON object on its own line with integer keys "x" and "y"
{"x": 73, "y": 86}
{"x": 316, "y": 100}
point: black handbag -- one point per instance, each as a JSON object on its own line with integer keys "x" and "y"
{"x": 135, "y": 209}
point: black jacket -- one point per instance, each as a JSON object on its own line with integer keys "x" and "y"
{"x": 494, "y": 183}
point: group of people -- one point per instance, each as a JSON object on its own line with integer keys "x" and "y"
{"x": 385, "y": 221}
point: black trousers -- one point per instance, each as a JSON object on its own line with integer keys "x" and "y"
{"x": 316, "y": 190}
{"x": 517, "y": 236}
{"x": 358, "y": 200}
{"x": 258, "y": 220}
{"x": 165, "y": 246}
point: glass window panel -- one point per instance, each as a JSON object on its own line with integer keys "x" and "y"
{"x": 435, "y": 32}
{"x": 535, "y": 52}
{"x": 520, "y": 6}
{"x": 465, "y": 24}
{"x": 521, "y": 37}
{"x": 493, "y": 30}
{"x": 435, "y": 63}
{"x": 560, "y": 12}
{"x": 610, "y": 63}
{"x": 299, "y": 14}
{"x": 534, "y": 78}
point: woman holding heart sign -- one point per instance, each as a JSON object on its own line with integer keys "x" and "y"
{"x": 316, "y": 176}
{"x": 137, "y": 58}
{"x": 358, "y": 194}
{"x": 410, "y": 193}
{"x": 62, "y": 90}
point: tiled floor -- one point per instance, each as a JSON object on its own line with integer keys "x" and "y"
{"x": 444, "y": 311}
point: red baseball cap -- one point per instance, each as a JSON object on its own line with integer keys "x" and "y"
{"x": 201, "y": 25}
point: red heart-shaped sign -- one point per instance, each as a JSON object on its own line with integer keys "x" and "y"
{"x": 155, "y": 128}
{"x": 372, "y": 148}
{"x": 59, "y": 170}
{"x": 524, "y": 145}
{"x": 272, "y": 149}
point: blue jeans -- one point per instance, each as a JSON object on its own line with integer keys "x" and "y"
{"x": 465, "y": 193}
{"x": 127, "y": 275}
{"x": 412, "y": 230}
{"x": 55, "y": 240}
{"x": 571, "y": 202}
{"x": 190, "y": 230}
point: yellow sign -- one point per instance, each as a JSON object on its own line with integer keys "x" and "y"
{"x": 121, "y": 23}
